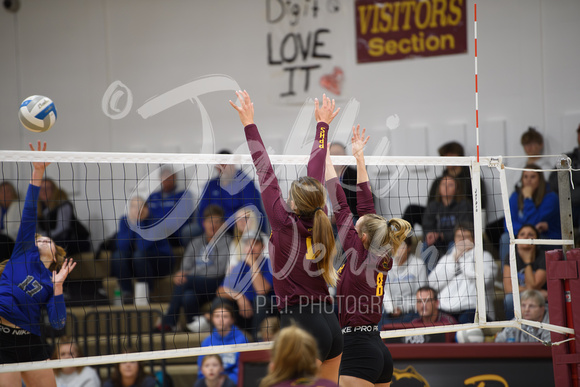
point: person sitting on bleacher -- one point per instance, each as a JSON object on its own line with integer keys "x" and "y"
{"x": 165, "y": 200}
{"x": 530, "y": 267}
{"x": 67, "y": 348}
{"x": 444, "y": 213}
{"x": 250, "y": 284}
{"x": 137, "y": 257}
{"x": 203, "y": 268}
{"x": 224, "y": 332}
{"x": 534, "y": 309}
{"x": 57, "y": 219}
{"x": 454, "y": 276}
{"x": 10, "y": 213}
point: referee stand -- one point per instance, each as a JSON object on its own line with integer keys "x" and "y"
{"x": 563, "y": 277}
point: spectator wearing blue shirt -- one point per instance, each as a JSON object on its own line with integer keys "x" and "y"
{"x": 138, "y": 257}
{"x": 171, "y": 205}
{"x": 250, "y": 284}
{"x": 31, "y": 279}
{"x": 224, "y": 332}
{"x": 231, "y": 190}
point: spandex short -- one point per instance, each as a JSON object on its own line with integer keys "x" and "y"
{"x": 20, "y": 346}
{"x": 366, "y": 357}
{"x": 320, "y": 321}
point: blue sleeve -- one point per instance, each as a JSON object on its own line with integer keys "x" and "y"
{"x": 514, "y": 212}
{"x": 56, "y": 309}
{"x": 547, "y": 208}
{"x": 124, "y": 238}
{"x": 27, "y": 230}
{"x": 204, "y": 201}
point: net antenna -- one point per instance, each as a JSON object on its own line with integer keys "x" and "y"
{"x": 476, "y": 95}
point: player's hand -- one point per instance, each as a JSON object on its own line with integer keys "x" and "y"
{"x": 326, "y": 112}
{"x": 246, "y": 108}
{"x": 39, "y": 166}
{"x": 67, "y": 267}
{"x": 358, "y": 141}
{"x": 179, "y": 278}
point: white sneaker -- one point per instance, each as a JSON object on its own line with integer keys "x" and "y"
{"x": 141, "y": 294}
{"x": 198, "y": 325}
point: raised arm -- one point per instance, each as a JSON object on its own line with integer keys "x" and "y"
{"x": 324, "y": 115}
{"x": 269, "y": 188}
{"x": 364, "y": 197}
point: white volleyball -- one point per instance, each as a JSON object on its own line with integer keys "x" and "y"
{"x": 37, "y": 113}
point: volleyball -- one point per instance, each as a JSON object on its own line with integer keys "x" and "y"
{"x": 37, "y": 113}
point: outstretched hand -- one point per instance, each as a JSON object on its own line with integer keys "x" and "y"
{"x": 41, "y": 148}
{"x": 358, "y": 141}
{"x": 67, "y": 267}
{"x": 246, "y": 108}
{"x": 326, "y": 112}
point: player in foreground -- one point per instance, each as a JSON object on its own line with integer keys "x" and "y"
{"x": 31, "y": 279}
{"x": 369, "y": 247}
{"x": 302, "y": 246}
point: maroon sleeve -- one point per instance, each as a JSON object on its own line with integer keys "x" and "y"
{"x": 271, "y": 194}
{"x": 317, "y": 162}
{"x": 346, "y": 231}
{"x": 364, "y": 199}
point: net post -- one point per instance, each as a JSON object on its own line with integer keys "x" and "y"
{"x": 481, "y": 313}
{"x": 567, "y": 228}
{"x": 512, "y": 248}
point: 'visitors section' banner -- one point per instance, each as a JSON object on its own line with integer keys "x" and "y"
{"x": 391, "y": 30}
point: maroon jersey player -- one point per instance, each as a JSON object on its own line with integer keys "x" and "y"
{"x": 368, "y": 246}
{"x": 302, "y": 242}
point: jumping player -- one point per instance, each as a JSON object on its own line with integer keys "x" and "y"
{"x": 31, "y": 279}
{"x": 302, "y": 242}
{"x": 368, "y": 246}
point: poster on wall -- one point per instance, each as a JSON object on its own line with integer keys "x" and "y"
{"x": 305, "y": 48}
{"x": 402, "y": 29}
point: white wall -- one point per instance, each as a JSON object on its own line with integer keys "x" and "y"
{"x": 73, "y": 50}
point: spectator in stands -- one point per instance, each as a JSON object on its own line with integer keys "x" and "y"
{"x": 224, "y": 332}
{"x": 442, "y": 215}
{"x": 531, "y": 268}
{"x": 202, "y": 270}
{"x": 454, "y": 276}
{"x": 405, "y": 278}
{"x": 83, "y": 376}
{"x": 10, "y": 209}
{"x": 269, "y": 328}
{"x": 574, "y": 156}
{"x": 135, "y": 256}
{"x": 534, "y": 308}
{"x": 246, "y": 222}
{"x": 414, "y": 213}
{"x": 294, "y": 361}
{"x": 57, "y": 219}
{"x": 232, "y": 189}
{"x": 249, "y": 280}
{"x": 428, "y": 309}
{"x": 212, "y": 368}
{"x": 168, "y": 198}
{"x": 534, "y": 204}
{"x": 130, "y": 374}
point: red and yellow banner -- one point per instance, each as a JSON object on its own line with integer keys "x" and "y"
{"x": 400, "y": 29}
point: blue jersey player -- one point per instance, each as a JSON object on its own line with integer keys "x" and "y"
{"x": 31, "y": 279}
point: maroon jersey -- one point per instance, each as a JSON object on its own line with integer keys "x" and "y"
{"x": 296, "y": 277}
{"x": 361, "y": 284}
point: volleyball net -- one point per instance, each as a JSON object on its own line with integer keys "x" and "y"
{"x": 122, "y": 295}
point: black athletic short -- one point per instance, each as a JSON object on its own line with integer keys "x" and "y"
{"x": 365, "y": 356}
{"x": 320, "y": 321}
{"x": 20, "y": 346}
